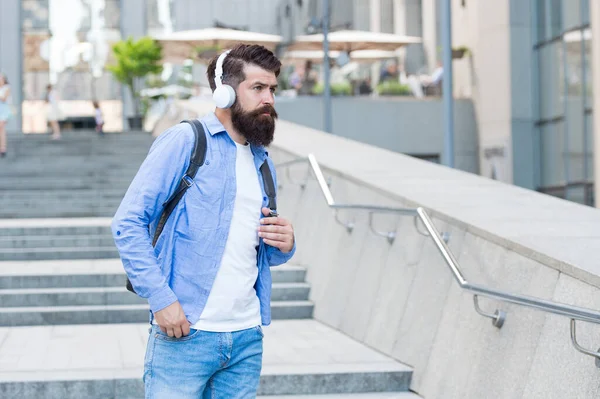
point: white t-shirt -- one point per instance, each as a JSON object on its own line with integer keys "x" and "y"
{"x": 233, "y": 304}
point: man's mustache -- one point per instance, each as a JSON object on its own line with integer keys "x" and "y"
{"x": 267, "y": 109}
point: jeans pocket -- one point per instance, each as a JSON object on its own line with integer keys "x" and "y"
{"x": 260, "y": 331}
{"x": 161, "y": 336}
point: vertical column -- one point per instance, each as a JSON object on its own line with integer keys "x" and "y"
{"x": 375, "y": 26}
{"x": 133, "y": 24}
{"x": 11, "y": 57}
{"x": 429, "y": 32}
{"x": 375, "y": 15}
{"x": 400, "y": 17}
{"x": 595, "y": 65}
{"x": 399, "y": 9}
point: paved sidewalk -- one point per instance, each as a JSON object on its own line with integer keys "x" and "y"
{"x": 117, "y": 351}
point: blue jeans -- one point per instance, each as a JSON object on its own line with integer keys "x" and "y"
{"x": 203, "y": 365}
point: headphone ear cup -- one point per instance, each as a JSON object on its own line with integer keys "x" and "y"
{"x": 224, "y": 96}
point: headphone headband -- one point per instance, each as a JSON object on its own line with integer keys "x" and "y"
{"x": 219, "y": 68}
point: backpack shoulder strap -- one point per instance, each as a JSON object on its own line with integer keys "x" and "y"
{"x": 196, "y": 160}
{"x": 269, "y": 184}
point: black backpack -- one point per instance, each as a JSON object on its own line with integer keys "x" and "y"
{"x": 197, "y": 159}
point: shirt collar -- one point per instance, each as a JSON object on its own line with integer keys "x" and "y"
{"x": 214, "y": 126}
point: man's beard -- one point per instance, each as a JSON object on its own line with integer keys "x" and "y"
{"x": 258, "y": 129}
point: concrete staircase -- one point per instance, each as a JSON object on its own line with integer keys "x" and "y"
{"x": 83, "y": 175}
{"x": 76, "y": 295}
{"x": 68, "y": 327}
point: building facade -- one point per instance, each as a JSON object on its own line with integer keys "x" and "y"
{"x": 529, "y": 73}
{"x": 528, "y": 69}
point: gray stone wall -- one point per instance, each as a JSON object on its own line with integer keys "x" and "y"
{"x": 403, "y": 125}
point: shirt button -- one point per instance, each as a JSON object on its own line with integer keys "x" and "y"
{"x": 264, "y": 198}
{"x": 207, "y": 163}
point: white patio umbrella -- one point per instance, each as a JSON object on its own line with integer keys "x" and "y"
{"x": 353, "y": 40}
{"x": 178, "y": 46}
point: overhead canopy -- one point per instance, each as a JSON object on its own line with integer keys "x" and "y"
{"x": 358, "y": 56}
{"x": 353, "y": 40}
{"x": 178, "y": 46}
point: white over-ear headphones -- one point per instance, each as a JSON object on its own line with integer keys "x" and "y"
{"x": 224, "y": 95}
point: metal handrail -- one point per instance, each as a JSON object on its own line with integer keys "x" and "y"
{"x": 440, "y": 240}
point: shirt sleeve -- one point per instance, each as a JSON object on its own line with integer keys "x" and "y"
{"x": 157, "y": 178}
{"x": 274, "y": 255}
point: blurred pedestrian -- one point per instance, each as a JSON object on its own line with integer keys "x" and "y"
{"x": 53, "y": 113}
{"x": 5, "y": 111}
{"x": 99, "y": 118}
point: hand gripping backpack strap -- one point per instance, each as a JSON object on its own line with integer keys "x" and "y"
{"x": 269, "y": 184}
{"x": 196, "y": 160}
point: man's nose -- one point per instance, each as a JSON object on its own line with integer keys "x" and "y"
{"x": 268, "y": 98}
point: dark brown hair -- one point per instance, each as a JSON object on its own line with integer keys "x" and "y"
{"x": 240, "y": 55}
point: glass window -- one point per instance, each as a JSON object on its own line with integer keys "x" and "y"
{"x": 574, "y": 104}
{"x": 35, "y": 15}
{"x": 70, "y": 51}
{"x": 587, "y": 71}
{"x": 541, "y": 20}
{"x": 551, "y": 80}
{"x": 552, "y": 154}
{"x": 571, "y": 14}
{"x": 556, "y": 18}
{"x": 585, "y": 12}
{"x": 387, "y": 16}
{"x": 589, "y": 146}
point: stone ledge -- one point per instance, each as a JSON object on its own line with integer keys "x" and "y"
{"x": 558, "y": 233}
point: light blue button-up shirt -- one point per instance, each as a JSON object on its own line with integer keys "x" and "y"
{"x": 184, "y": 263}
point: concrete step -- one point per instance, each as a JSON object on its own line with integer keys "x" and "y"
{"x": 104, "y": 273}
{"x": 113, "y": 295}
{"x": 83, "y": 158}
{"x": 377, "y": 395}
{"x": 47, "y": 297}
{"x": 65, "y": 213}
{"x": 106, "y": 361}
{"x": 76, "y": 168}
{"x": 66, "y": 241}
{"x": 82, "y": 195}
{"x": 43, "y": 205}
{"x": 23, "y": 254}
{"x": 16, "y": 215}
{"x": 110, "y": 314}
{"x": 55, "y": 227}
{"x": 75, "y": 183}
{"x": 79, "y": 156}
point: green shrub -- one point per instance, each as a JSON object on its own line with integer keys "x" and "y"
{"x": 337, "y": 89}
{"x": 393, "y": 88}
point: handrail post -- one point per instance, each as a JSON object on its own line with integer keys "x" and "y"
{"x": 581, "y": 349}
{"x": 498, "y": 317}
{"x": 442, "y": 247}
